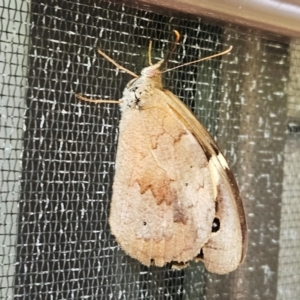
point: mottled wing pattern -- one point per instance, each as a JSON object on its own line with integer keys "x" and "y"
{"x": 162, "y": 207}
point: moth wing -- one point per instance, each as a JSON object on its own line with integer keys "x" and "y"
{"x": 162, "y": 207}
{"x": 226, "y": 248}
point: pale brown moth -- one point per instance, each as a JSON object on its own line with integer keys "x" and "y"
{"x": 175, "y": 198}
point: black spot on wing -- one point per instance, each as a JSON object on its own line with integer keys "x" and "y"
{"x": 215, "y": 225}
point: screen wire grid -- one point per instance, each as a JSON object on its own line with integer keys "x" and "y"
{"x": 57, "y": 161}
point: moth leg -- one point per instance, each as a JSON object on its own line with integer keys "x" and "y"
{"x": 79, "y": 96}
{"x": 116, "y": 64}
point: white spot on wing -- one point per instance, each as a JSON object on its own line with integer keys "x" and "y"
{"x": 214, "y": 173}
{"x": 214, "y": 165}
{"x": 222, "y": 161}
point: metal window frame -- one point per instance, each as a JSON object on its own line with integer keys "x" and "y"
{"x": 279, "y": 17}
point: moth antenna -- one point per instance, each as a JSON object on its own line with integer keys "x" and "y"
{"x": 116, "y": 64}
{"x": 79, "y": 96}
{"x": 198, "y": 60}
{"x": 172, "y": 49}
{"x": 149, "y": 54}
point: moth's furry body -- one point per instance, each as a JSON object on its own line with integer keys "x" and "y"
{"x": 174, "y": 197}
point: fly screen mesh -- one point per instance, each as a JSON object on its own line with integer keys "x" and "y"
{"x": 58, "y": 153}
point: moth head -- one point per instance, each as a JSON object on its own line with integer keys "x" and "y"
{"x": 160, "y": 67}
{"x": 154, "y": 70}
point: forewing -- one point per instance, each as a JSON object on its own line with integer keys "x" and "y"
{"x": 227, "y": 246}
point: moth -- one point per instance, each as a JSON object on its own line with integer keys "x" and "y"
{"x": 175, "y": 198}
